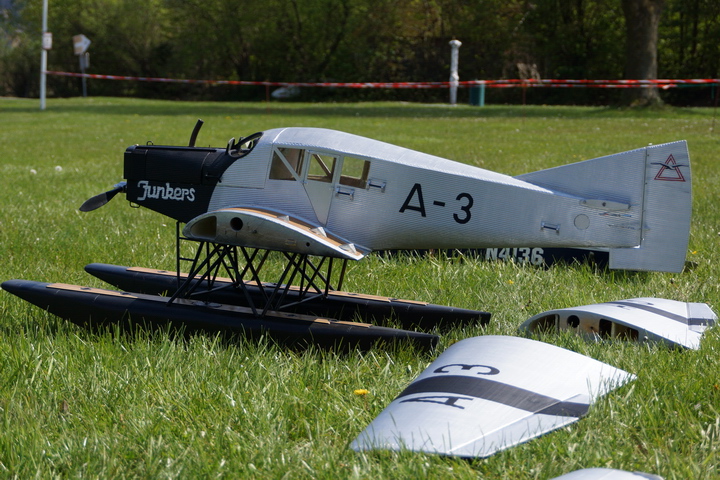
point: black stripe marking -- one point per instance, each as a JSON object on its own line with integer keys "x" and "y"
{"x": 658, "y": 311}
{"x": 496, "y": 392}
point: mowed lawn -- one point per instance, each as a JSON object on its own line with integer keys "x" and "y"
{"x": 75, "y": 403}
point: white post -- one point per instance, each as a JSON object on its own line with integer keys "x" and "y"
{"x": 83, "y": 63}
{"x": 43, "y": 57}
{"x": 454, "y": 76}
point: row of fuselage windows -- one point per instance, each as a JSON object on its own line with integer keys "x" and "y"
{"x": 296, "y": 164}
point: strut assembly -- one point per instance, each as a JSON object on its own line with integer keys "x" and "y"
{"x": 241, "y": 266}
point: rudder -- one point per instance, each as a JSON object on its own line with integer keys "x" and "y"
{"x": 667, "y": 210}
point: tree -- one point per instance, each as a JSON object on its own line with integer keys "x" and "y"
{"x": 642, "y": 18}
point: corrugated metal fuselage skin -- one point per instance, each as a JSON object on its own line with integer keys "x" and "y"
{"x": 415, "y": 200}
{"x": 404, "y": 199}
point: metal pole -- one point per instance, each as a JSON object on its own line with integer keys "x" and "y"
{"x": 43, "y": 58}
{"x": 454, "y": 77}
{"x": 83, "y": 63}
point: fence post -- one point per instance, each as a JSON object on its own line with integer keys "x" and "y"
{"x": 47, "y": 44}
{"x": 454, "y": 77}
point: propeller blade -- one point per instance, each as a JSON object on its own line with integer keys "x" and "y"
{"x": 98, "y": 201}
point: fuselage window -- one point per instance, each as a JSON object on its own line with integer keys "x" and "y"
{"x": 286, "y": 164}
{"x": 322, "y": 167}
{"x": 355, "y": 172}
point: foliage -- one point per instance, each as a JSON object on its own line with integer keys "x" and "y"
{"x": 688, "y": 42}
{"x": 18, "y": 64}
{"x": 74, "y": 403}
{"x": 351, "y": 41}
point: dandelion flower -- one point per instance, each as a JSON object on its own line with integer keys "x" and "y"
{"x": 361, "y": 391}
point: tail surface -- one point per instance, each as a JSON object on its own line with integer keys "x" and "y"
{"x": 654, "y": 180}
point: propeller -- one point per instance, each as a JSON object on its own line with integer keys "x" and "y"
{"x": 99, "y": 200}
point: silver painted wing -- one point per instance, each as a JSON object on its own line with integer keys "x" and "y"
{"x": 606, "y": 474}
{"x": 641, "y": 319}
{"x": 488, "y": 393}
{"x": 263, "y": 228}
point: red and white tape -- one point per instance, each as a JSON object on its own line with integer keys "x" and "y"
{"x": 511, "y": 83}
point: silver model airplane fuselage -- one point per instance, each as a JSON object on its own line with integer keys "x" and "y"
{"x": 373, "y": 195}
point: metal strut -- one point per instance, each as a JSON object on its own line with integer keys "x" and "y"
{"x": 242, "y": 266}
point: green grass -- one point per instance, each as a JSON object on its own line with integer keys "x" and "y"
{"x": 102, "y": 405}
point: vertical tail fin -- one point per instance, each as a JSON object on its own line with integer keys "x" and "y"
{"x": 667, "y": 208}
{"x": 655, "y": 181}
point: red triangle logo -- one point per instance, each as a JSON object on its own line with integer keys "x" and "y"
{"x": 670, "y": 171}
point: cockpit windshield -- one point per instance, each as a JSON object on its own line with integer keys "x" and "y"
{"x": 290, "y": 164}
{"x": 243, "y": 146}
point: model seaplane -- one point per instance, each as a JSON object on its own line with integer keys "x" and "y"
{"x": 318, "y": 196}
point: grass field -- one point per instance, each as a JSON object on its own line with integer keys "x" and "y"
{"x": 76, "y": 404}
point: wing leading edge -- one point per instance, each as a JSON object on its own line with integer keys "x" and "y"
{"x": 486, "y": 394}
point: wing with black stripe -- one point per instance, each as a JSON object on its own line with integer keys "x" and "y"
{"x": 488, "y": 393}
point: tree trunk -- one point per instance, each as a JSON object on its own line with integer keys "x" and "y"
{"x": 642, "y": 18}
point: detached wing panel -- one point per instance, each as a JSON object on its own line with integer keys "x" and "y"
{"x": 257, "y": 228}
{"x": 488, "y": 393}
{"x": 607, "y": 474}
{"x": 642, "y": 319}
